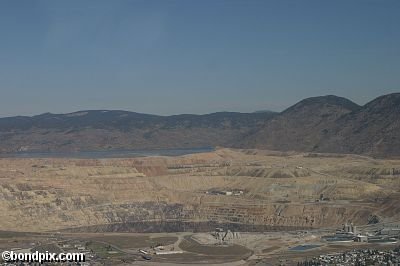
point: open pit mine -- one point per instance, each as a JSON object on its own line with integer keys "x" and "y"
{"x": 256, "y": 204}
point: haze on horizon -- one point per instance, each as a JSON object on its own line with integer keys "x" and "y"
{"x": 172, "y": 57}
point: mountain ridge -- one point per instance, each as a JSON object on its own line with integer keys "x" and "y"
{"x": 316, "y": 124}
{"x": 320, "y": 126}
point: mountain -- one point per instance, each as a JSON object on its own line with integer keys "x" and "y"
{"x": 335, "y": 125}
{"x": 318, "y": 124}
{"x": 302, "y": 126}
{"x": 373, "y": 129}
{"x": 263, "y": 111}
{"x": 105, "y": 129}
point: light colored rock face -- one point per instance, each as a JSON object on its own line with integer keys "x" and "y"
{"x": 239, "y": 186}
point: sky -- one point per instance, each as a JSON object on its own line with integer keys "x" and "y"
{"x": 194, "y": 56}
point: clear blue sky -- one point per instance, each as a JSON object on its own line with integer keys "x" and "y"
{"x": 194, "y": 56}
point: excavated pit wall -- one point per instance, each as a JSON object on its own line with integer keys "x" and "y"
{"x": 163, "y": 217}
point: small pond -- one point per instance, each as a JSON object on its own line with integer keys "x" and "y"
{"x": 303, "y": 247}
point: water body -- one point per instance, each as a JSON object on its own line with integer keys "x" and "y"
{"x": 108, "y": 153}
{"x": 178, "y": 226}
{"x": 304, "y": 247}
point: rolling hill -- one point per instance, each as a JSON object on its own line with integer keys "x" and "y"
{"x": 335, "y": 125}
{"x": 318, "y": 124}
{"x": 104, "y": 129}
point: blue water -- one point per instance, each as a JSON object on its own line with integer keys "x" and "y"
{"x": 109, "y": 153}
{"x": 303, "y": 247}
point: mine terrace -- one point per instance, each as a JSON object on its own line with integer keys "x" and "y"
{"x": 224, "y": 206}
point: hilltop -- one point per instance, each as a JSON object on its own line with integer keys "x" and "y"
{"x": 334, "y": 124}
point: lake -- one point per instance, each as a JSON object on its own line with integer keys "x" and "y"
{"x": 108, "y": 153}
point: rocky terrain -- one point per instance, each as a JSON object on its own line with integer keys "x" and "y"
{"x": 253, "y": 188}
{"x": 320, "y": 124}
